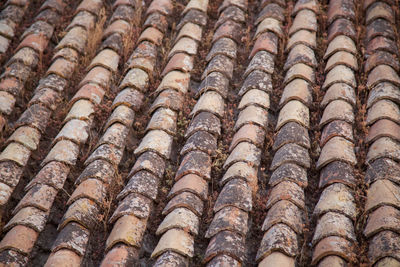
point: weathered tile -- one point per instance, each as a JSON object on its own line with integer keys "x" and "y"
{"x": 380, "y": 193}
{"x": 300, "y": 71}
{"x": 164, "y": 7}
{"x": 341, "y": 26}
{"x": 151, "y": 34}
{"x": 291, "y": 153}
{"x": 184, "y": 45}
{"x": 106, "y": 58}
{"x": 336, "y": 128}
{"x": 196, "y": 4}
{"x": 37, "y": 42}
{"x": 257, "y": 80}
{"x": 74, "y": 130}
{"x": 97, "y": 75}
{"x": 272, "y": 10}
{"x": 277, "y": 258}
{"x": 229, "y": 218}
{"x": 248, "y": 133}
{"x": 337, "y": 148}
{"x": 300, "y": 54}
{"x": 342, "y": 58}
{"x": 305, "y": 4}
{"x": 168, "y": 98}
{"x": 157, "y": 141}
{"x": 25, "y": 55}
{"x": 227, "y": 243}
{"x": 27, "y": 136}
{"x": 383, "y": 90}
{"x": 293, "y": 111}
{"x": 210, "y": 101}
{"x": 233, "y": 13}
{"x": 114, "y": 135}
{"x": 128, "y": 230}
{"x": 133, "y": 205}
{"x": 229, "y": 29}
{"x": 67, "y": 53}
{"x": 120, "y": 27}
{"x": 304, "y": 37}
{"x": 81, "y": 110}
{"x": 286, "y": 190}
{"x": 10, "y": 173}
{"x": 341, "y": 9}
{"x": 175, "y": 80}
{"x": 304, "y": 20}
{"x": 163, "y": 119}
{"x": 185, "y": 200}
{"x": 92, "y": 6}
{"x": 180, "y": 218}
{"x": 30, "y": 217}
{"x": 333, "y": 245}
{"x": 20, "y": 238}
{"x": 11, "y": 85}
{"x": 244, "y": 152}
{"x": 47, "y": 97}
{"x": 92, "y": 189}
{"x": 383, "y": 128}
{"x": 332, "y": 260}
{"x": 381, "y": 43}
{"x": 202, "y": 141}
{"x": 382, "y": 168}
{"x": 52, "y": 81}
{"x": 383, "y": 218}
{"x": 222, "y": 259}
{"x": 150, "y": 162}
{"x": 242, "y": 4}
{"x": 204, "y": 121}
{"x": 17, "y": 153}
{"x": 175, "y": 240}
{"x": 52, "y": 174}
{"x": 62, "y": 257}
{"x": 63, "y": 151}
{"x": 180, "y": 61}
{"x": 263, "y": 61}
{"x": 121, "y": 114}
{"x": 384, "y": 244}
{"x": 278, "y": 238}
{"x": 336, "y": 198}
{"x": 266, "y": 41}
{"x": 215, "y": 81}
{"x": 387, "y": 261}
{"x": 379, "y": 58}
{"x": 292, "y": 133}
{"x": 383, "y": 109}
{"x": 193, "y": 16}
{"x": 269, "y": 25}
{"x": 379, "y": 27}
{"x": 252, "y": 115}
{"x": 83, "y": 19}
{"x": 337, "y": 110}
{"x": 75, "y": 38}
{"x": 235, "y": 193}
{"x": 168, "y": 258}
{"x": 334, "y": 224}
{"x": 143, "y": 183}
{"x": 297, "y": 89}
{"x": 136, "y": 78}
{"x": 289, "y": 172}
{"x": 190, "y": 30}
{"x": 241, "y": 170}
{"x": 129, "y": 97}
{"x": 35, "y": 116}
{"x": 223, "y": 46}
{"x": 220, "y": 63}
{"x": 340, "y": 74}
{"x": 287, "y": 213}
{"x": 340, "y": 43}
{"x": 190, "y": 183}
{"x": 195, "y": 162}
{"x": 255, "y": 97}
{"x": 339, "y": 91}
{"x": 83, "y": 211}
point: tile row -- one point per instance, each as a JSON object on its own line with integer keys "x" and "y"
{"x": 48, "y": 95}
{"x": 20, "y": 67}
{"x": 136, "y": 199}
{"x": 10, "y": 18}
{"x": 31, "y": 213}
{"x": 381, "y": 66}
{"x": 188, "y": 195}
{"x": 285, "y": 220}
{"x": 334, "y": 240}
{"x": 229, "y": 226}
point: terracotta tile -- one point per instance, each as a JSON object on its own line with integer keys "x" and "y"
{"x": 305, "y": 4}
{"x": 291, "y": 153}
{"x": 340, "y": 43}
{"x": 383, "y": 90}
{"x": 304, "y": 37}
{"x": 382, "y": 43}
{"x": 151, "y": 34}
{"x": 235, "y": 193}
{"x": 382, "y": 192}
{"x": 107, "y": 152}
{"x": 92, "y": 189}
{"x": 269, "y": 25}
{"x": 222, "y": 259}
{"x": 332, "y": 260}
{"x": 118, "y": 26}
{"x": 342, "y": 58}
{"x": 92, "y": 6}
{"x": 193, "y": 16}
{"x": 242, "y": 4}
{"x": 115, "y": 135}
{"x": 26, "y": 55}
{"x": 52, "y": 81}
{"x": 336, "y": 128}
{"x": 134, "y": 205}
{"x": 333, "y": 245}
{"x": 30, "y": 217}
{"x": 73, "y": 130}
{"x": 98, "y": 169}
{"x": 146, "y": 64}
{"x": 144, "y": 49}
{"x": 158, "y": 21}
{"x": 52, "y": 174}
{"x": 383, "y": 218}
{"x": 227, "y": 243}
{"x": 384, "y": 244}
{"x": 277, "y": 258}
{"x": 223, "y": 46}
{"x": 337, "y": 110}
{"x": 252, "y": 115}
{"x": 39, "y": 196}
{"x": 293, "y": 111}
{"x": 228, "y": 29}
{"x": 181, "y": 62}
{"x": 339, "y": 91}
{"x": 337, "y": 148}
{"x": 180, "y": 218}
{"x": 286, "y": 191}
{"x": 136, "y": 78}
{"x": 248, "y": 133}
{"x": 17, "y": 153}
{"x": 379, "y": 27}
{"x": 17, "y": 70}
{"x": 157, "y": 141}
{"x": 120, "y": 254}
{"x": 75, "y": 38}
{"x": 143, "y": 183}
{"x": 221, "y": 64}
{"x": 169, "y": 257}
{"x": 12, "y": 258}
{"x": 211, "y": 102}
{"x": 35, "y": 116}
{"x": 11, "y": 85}
{"x": 272, "y": 10}
{"x": 106, "y": 58}
{"x": 334, "y": 224}
{"x": 121, "y": 114}
{"x": 263, "y": 61}
{"x": 304, "y": 20}
{"x": 6, "y": 192}
{"x": 257, "y": 80}
{"x": 150, "y": 162}
{"x": 388, "y": 261}
{"x": 175, "y": 240}
{"x": 336, "y": 198}
{"x": 229, "y": 218}
{"x": 233, "y": 13}
{"x": 19, "y": 238}
{"x": 215, "y": 81}
{"x": 204, "y": 121}
{"x": 341, "y": 26}
{"x": 129, "y": 97}
{"x": 195, "y": 162}
{"x": 184, "y": 45}
{"x": 164, "y": 7}
{"x": 202, "y": 141}
{"x": 91, "y": 92}
{"x": 47, "y": 97}
{"x": 10, "y": 173}
{"x": 300, "y": 71}
{"x": 27, "y": 136}
{"x": 63, "y": 258}
{"x": 97, "y": 75}
{"x": 35, "y": 41}
{"x": 382, "y": 168}
{"x": 63, "y": 151}
{"x": 175, "y": 80}
{"x": 383, "y": 109}
{"x": 278, "y": 238}
{"x": 83, "y": 19}
{"x": 267, "y": 41}
{"x": 383, "y": 128}
{"x": 289, "y": 172}
{"x": 379, "y": 58}
{"x": 81, "y": 110}
{"x": 244, "y": 152}
{"x": 340, "y": 74}
{"x": 300, "y": 54}
{"x": 128, "y": 230}
{"x": 190, "y": 30}
{"x": 292, "y": 133}
{"x": 287, "y": 213}
{"x": 190, "y": 183}
{"x": 243, "y": 171}
{"x": 341, "y": 9}
{"x": 185, "y": 200}
{"x": 7, "y": 103}
{"x": 297, "y": 89}
{"x": 196, "y": 4}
